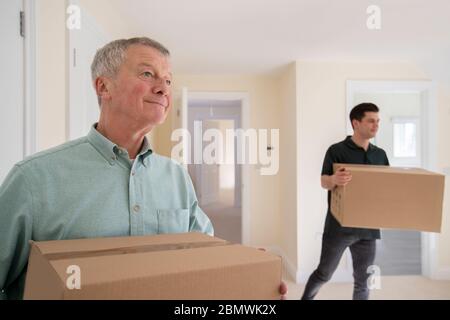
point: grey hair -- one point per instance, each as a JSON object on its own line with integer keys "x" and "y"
{"x": 109, "y": 58}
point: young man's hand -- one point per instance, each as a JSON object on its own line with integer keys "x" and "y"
{"x": 341, "y": 177}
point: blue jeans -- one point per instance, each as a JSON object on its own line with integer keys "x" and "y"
{"x": 363, "y": 256}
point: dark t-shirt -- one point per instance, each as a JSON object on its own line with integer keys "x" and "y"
{"x": 348, "y": 152}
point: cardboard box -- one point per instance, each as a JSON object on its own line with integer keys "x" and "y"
{"x": 389, "y": 197}
{"x": 167, "y": 266}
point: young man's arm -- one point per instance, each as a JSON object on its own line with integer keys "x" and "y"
{"x": 340, "y": 178}
{"x": 328, "y": 180}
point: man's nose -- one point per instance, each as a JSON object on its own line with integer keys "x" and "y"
{"x": 161, "y": 87}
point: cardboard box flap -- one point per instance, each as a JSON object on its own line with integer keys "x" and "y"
{"x": 131, "y": 250}
{"x": 384, "y": 169}
{"x": 101, "y": 244}
{"x": 146, "y": 265}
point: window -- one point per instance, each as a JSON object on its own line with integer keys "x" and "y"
{"x": 405, "y": 135}
{"x": 406, "y": 140}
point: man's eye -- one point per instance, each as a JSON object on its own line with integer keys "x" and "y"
{"x": 168, "y": 82}
{"x": 147, "y": 74}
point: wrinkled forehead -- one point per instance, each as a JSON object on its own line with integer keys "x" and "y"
{"x": 144, "y": 56}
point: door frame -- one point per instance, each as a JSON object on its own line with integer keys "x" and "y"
{"x": 427, "y": 89}
{"x": 77, "y": 110}
{"x": 30, "y": 77}
{"x": 245, "y": 170}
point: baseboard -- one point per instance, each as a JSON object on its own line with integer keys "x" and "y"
{"x": 341, "y": 275}
{"x": 301, "y": 276}
{"x": 441, "y": 274}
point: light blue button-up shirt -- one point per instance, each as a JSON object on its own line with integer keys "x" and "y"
{"x": 89, "y": 188}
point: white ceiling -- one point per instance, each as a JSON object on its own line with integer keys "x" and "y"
{"x": 257, "y": 36}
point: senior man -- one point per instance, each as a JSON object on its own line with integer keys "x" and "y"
{"x": 109, "y": 183}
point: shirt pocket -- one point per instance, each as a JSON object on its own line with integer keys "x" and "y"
{"x": 173, "y": 221}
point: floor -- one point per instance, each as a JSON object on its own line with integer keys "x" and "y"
{"x": 392, "y": 288}
{"x": 227, "y": 224}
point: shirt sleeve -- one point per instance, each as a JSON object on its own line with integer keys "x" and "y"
{"x": 198, "y": 220}
{"x": 386, "y": 159}
{"x": 327, "y": 167}
{"x": 15, "y": 228}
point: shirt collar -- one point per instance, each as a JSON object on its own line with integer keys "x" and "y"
{"x": 351, "y": 144}
{"x": 108, "y": 149}
{"x": 146, "y": 150}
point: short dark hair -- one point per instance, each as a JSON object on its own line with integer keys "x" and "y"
{"x": 358, "y": 112}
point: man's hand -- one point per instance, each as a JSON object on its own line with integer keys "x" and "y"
{"x": 282, "y": 289}
{"x": 341, "y": 177}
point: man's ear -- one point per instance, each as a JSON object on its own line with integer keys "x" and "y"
{"x": 102, "y": 88}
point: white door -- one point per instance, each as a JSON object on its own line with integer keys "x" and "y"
{"x": 206, "y": 177}
{"x": 217, "y": 185}
{"x": 11, "y": 86}
{"x": 83, "y": 102}
{"x": 209, "y": 173}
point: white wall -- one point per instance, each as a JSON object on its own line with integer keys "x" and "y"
{"x": 443, "y": 161}
{"x": 289, "y": 153}
{"x": 51, "y": 72}
{"x": 104, "y": 15}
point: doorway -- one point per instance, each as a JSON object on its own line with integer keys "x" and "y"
{"x": 218, "y": 185}
{"x": 398, "y": 251}
{"x": 406, "y": 115}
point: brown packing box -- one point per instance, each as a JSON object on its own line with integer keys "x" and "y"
{"x": 167, "y": 266}
{"x": 389, "y": 197}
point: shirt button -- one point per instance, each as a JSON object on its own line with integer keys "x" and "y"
{"x": 136, "y": 208}
{"x": 133, "y": 173}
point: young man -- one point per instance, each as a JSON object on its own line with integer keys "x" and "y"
{"x": 354, "y": 149}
